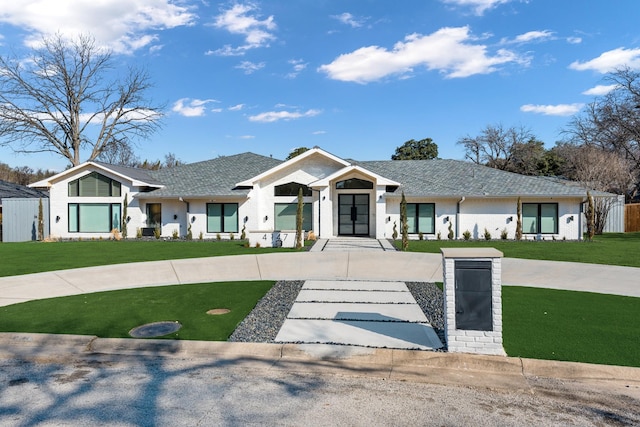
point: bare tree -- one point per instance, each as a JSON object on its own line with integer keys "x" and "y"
{"x": 59, "y": 100}
{"x": 612, "y": 122}
{"x": 499, "y": 147}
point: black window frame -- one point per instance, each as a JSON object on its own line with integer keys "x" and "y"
{"x": 74, "y": 187}
{"x": 79, "y": 222}
{"x": 223, "y": 226}
{"x": 539, "y": 217}
{"x": 291, "y": 189}
{"x": 416, "y": 223}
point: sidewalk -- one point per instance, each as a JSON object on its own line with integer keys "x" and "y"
{"x": 354, "y": 265}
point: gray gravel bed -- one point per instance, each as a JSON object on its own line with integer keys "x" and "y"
{"x": 266, "y": 319}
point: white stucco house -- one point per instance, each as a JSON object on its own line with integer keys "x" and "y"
{"x": 258, "y": 195}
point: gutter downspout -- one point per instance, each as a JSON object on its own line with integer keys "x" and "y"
{"x": 461, "y": 201}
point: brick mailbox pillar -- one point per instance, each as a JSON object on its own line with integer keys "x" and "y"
{"x": 473, "y": 300}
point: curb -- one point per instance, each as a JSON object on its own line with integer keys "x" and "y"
{"x": 409, "y": 365}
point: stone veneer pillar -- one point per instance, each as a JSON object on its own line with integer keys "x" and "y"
{"x": 473, "y": 341}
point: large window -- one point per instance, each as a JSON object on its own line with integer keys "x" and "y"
{"x": 354, "y": 184}
{"x": 94, "y": 217}
{"x": 540, "y": 218}
{"x": 285, "y": 216}
{"x": 291, "y": 189}
{"x": 94, "y": 185}
{"x": 421, "y": 218}
{"x": 222, "y": 217}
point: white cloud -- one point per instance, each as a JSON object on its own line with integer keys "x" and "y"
{"x": 478, "y": 6}
{"x": 532, "y": 36}
{"x": 122, "y": 25}
{"x": 574, "y": 40}
{"x": 610, "y": 60}
{"x": 237, "y": 107}
{"x": 250, "y": 67}
{"x": 274, "y": 116}
{"x": 553, "y": 110}
{"x": 600, "y": 90}
{"x": 191, "y": 107}
{"x": 448, "y": 50}
{"x": 298, "y": 66}
{"x": 319, "y": 132}
{"x": 348, "y": 19}
{"x": 246, "y": 136}
{"x": 240, "y": 19}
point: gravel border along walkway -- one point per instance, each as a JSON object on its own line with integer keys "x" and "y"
{"x": 266, "y": 319}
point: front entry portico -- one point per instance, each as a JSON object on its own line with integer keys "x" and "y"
{"x": 353, "y": 214}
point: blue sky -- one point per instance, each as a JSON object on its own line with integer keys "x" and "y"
{"x": 357, "y": 78}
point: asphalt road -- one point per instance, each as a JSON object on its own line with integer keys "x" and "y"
{"x": 117, "y": 390}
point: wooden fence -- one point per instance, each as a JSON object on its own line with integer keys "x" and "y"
{"x": 632, "y": 217}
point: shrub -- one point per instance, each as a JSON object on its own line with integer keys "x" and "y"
{"x": 450, "y": 235}
{"x": 395, "y": 231}
{"x": 189, "y": 233}
{"x": 138, "y": 233}
{"x": 487, "y": 235}
{"x": 257, "y": 244}
{"x": 231, "y": 236}
{"x": 466, "y": 235}
{"x": 439, "y": 236}
{"x": 175, "y": 234}
{"x": 243, "y": 235}
{"x": 420, "y": 236}
{"x": 157, "y": 232}
{"x": 200, "y": 236}
{"x": 218, "y": 237}
{"x": 504, "y": 234}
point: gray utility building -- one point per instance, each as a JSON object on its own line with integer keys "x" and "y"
{"x": 19, "y": 212}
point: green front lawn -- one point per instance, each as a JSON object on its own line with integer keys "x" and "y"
{"x": 610, "y": 248}
{"x": 35, "y": 257}
{"x": 113, "y": 314}
{"x": 571, "y": 326}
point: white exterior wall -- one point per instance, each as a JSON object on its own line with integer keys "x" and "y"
{"x": 445, "y": 211}
{"x": 494, "y": 214}
{"x": 59, "y": 205}
{"x": 262, "y": 197}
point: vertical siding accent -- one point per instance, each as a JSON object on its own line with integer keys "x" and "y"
{"x": 20, "y": 219}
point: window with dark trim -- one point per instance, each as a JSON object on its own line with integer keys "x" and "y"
{"x": 285, "y": 216}
{"x": 421, "y": 218}
{"x": 291, "y": 189}
{"x": 222, "y": 217}
{"x": 540, "y": 218}
{"x": 354, "y": 184}
{"x": 94, "y": 217}
{"x": 94, "y": 185}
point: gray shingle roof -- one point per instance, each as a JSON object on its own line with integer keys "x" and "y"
{"x": 458, "y": 178}
{"x": 215, "y": 177}
{"x": 137, "y": 174}
{"x": 10, "y": 190}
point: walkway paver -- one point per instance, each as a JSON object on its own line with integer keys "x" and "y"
{"x": 342, "y": 244}
{"x": 361, "y": 313}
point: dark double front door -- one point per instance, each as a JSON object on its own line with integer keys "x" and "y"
{"x": 353, "y": 214}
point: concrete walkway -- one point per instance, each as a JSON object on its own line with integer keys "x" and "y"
{"x": 362, "y": 313}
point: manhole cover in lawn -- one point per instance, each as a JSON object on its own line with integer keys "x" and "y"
{"x": 155, "y": 329}
{"x": 218, "y": 311}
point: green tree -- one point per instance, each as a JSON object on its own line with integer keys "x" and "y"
{"x": 40, "y": 221}
{"x": 124, "y": 216}
{"x": 519, "y": 219}
{"x": 425, "y": 149}
{"x": 404, "y": 226}
{"x": 296, "y": 152}
{"x": 299, "y": 219}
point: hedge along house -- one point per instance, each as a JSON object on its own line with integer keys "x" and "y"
{"x": 257, "y": 195}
